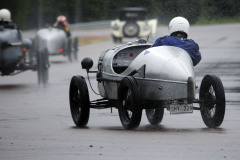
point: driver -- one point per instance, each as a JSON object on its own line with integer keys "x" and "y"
{"x": 6, "y": 22}
{"x": 62, "y": 24}
{"x": 5, "y": 19}
{"x": 178, "y": 30}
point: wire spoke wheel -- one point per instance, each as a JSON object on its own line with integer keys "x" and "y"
{"x": 212, "y": 101}
{"x": 129, "y": 106}
{"x": 76, "y": 101}
{"x": 126, "y": 104}
{"x": 79, "y": 101}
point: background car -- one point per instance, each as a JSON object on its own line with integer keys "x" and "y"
{"x": 132, "y": 22}
{"x": 54, "y": 41}
{"x": 16, "y": 55}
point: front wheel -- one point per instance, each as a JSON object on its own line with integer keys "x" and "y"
{"x": 42, "y": 66}
{"x": 116, "y": 39}
{"x": 79, "y": 101}
{"x": 75, "y": 48}
{"x": 212, "y": 101}
{"x": 129, "y": 105}
{"x": 69, "y": 49}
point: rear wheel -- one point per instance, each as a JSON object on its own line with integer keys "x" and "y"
{"x": 129, "y": 105}
{"x": 79, "y": 101}
{"x": 212, "y": 98}
{"x": 155, "y": 116}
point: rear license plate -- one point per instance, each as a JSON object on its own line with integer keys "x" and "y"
{"x": 181, "y": 108}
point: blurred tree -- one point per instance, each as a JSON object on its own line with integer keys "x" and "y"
{"x": 93, "y": 10}
{"x": 19, "y": 10}
{"x": 34, "y": 14}
{"x": 220, "y": 8}
{"x": 189, "y": 9}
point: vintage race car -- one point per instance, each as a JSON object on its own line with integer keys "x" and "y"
{"x": 132, "y": 22}
{"x": 55, "y": 42}
{"x": 136, "y": 76}
{"x": 16, "y": 55}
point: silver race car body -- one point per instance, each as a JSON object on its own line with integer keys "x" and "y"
{"x": 136, "y": 76}
{"x": 53, "y": 39}
{"x": 162, "y": 73}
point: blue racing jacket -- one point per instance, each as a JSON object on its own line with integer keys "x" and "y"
{"x": 187, "y": 44}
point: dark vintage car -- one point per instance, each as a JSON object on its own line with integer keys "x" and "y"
{"x": 136, "y": 77}
{"x": 132, "y": 22}
{"x": 16, "y": 55}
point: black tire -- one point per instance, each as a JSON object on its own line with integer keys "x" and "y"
{"x": 129, "y": 105}
{"x": 79, "y": 100}
{"x": 31, "y": 53}
{"x": 131, "y": 29}
{"x": 155, "y": 116}
{"x": 39, "y": 67}
{"x": 45, "y": 66}
{"x": 120, "y": 40}
{"x": 42, "y": 66}
{"x": 69, "y": 49}
{"x": 212, "y": 101}
{"x": 114, "y": 39}
{"x": 75, "y": 47}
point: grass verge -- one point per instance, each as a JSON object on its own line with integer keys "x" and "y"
{"x": 85, "y": 40}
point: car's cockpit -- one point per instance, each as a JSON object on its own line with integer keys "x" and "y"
{"x": 124, "y": 57}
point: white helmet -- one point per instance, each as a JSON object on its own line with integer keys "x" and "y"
{"x": 179, "y": 24}
{"x": 5, "y": 15}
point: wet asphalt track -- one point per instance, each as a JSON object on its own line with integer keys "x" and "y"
{"x": 35, "y": 121}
